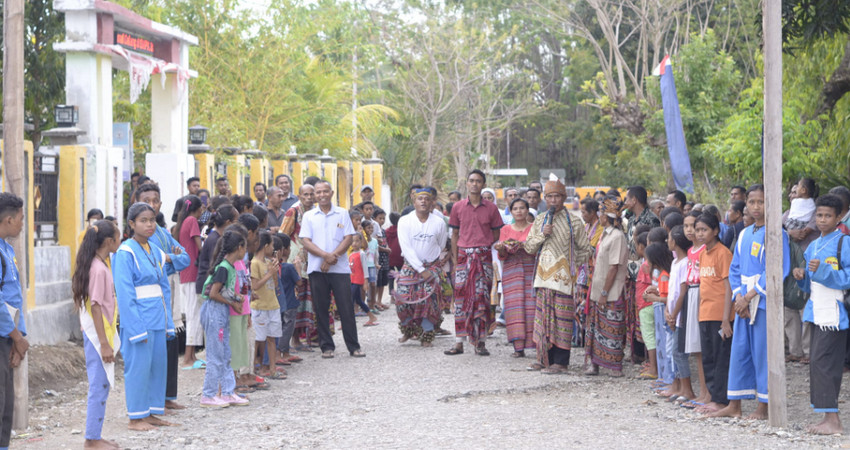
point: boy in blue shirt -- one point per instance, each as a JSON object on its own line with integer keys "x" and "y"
{"x": 13, "y": 345}
{"x": 826, "y": 277}
{"x": 289, "y": 277}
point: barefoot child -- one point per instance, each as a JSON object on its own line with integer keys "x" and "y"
{"x": 679, "y": 244}
{"x": 94, "y": 297}
{"x": 220, "y": 296}
{"x": 356, "y": 261}
{"x": 140, "y": 286}
{"x": 289, "y": 278}
{"x": 265, "y": 310}
{"x": 827, "y": 275}
{"x": 714, "y": 311}
{"x": 748, "y": 367}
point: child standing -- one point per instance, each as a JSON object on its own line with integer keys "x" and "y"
{"x": 643, "y": 281}
{"x": 826, "y": 277}
{"x": 356, "y": 261}
{"x": 714, "y": 311}
{"x": 289, "y": 278}
{"x": 370, "y": 248}
{"x": 265, "y": 310}
{"x": 747, "y": 277}
{"x": 94, "y": 297}
{"x": 689, "y": 336}
{"x": 188, "y": 233}
{"x": 661, "y": 259}
{"x": 383, "y": 256}
{"x": 140, "y": 285}
{"x": 679, "y": 244}
{"x": 220, "y": 296}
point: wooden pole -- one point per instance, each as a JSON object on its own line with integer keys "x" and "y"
{"x": 13, "y": 166}
{"x": 773, "y": 211}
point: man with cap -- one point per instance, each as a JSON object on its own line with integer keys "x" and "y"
{"x": 421, "y": 236}
{"x": 560, "y": 242}
{"x": 475, "y": 225}
{"x": 366, "y": 193}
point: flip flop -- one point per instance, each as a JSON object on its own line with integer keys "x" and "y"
{"x": 690, "y": 404}
{"x": 243, "y": 389}
{"x": 304, "y": 348}
{"x": 276, "y": 376}
{"x": 294, "y": 359}
{"x": 199, "y": 364}
{"x": 370, "y": 324}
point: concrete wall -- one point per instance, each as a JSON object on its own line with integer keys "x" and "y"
{"x": 53, "y": 319}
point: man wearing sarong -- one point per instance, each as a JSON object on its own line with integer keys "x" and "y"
{"x": 475, "y": 225}
{"x": 305, "y": 320}
{"x": 561, "y": 241}
{"x": 418, "y": 292}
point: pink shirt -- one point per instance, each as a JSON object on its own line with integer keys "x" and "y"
{"x": 188, "y": 231}
{"x": 101, "y": 288}
{"x": 476, "y": 223}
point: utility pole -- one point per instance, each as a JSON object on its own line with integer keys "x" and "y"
{"x": 13, "y": 168}
{"x": 773, "y": 211}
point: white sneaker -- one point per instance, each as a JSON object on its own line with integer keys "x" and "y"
{"x": 235, "y": 400}
{"x": 214, "y": 402}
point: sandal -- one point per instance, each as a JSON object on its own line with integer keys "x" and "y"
{"x": 454, "y": 351}
{"x": 552, "y": 370}
{"x": 358, "y": 353}
{"x": 482, "y": 351}
{"x": 647, "y": 376}
{"x": 690, "y": 404}
{"x": 283, "y": 362}
{"x": 294, "y": 359}
{"x": 243, "y": 389}
{"x": 519, "y": 354}
{"x": 370, "y": 324}
{"x": 328, "y": 354}
{"x": 262, "y": 386}
{"x": 276, "y": 376}
{"x": 534, "y": 367}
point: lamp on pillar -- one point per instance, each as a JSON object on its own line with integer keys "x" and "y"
{"x": 198, "y": 134}
{"x": 66, "y": 131}
{"x": 197, "y": 139}
{"x": 66, "y": 116}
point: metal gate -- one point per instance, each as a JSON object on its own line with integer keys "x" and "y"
{"x": 45, "y": 196}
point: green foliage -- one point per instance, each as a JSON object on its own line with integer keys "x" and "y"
{"x": 816, "y": 148}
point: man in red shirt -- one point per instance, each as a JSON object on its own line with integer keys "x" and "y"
{"x": 475, "y": 225}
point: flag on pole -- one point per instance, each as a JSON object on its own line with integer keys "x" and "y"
{"x": 680, "y": 162}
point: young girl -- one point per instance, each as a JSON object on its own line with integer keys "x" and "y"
{"x": 688, "y": 311}
{"x": 715, "y": 309}
{"x": 188, "y": 234}
{"x": 356, "y": 261}
{"x": 661, "y": 259}
{"x": 215, "y": 318}
{"x": 370, "y": 248}
{"x": 678, "y": 243}
{"x": 94, "y": 297}
{"x": 140, "y": 283}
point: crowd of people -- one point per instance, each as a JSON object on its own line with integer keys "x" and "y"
{"x": 665, "y": 284}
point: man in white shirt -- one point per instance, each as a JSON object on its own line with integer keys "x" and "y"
{"x": 421, "y": 236}
{"x": 326, "y": 233}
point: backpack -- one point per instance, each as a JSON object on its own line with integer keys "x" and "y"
{"x": 795, "y": 298}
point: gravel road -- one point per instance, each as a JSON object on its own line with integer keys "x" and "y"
{"x": 405, "y": 396}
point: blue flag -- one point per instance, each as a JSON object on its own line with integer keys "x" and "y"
{"x": 680, "y": 162}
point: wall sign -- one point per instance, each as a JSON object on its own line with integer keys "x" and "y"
{"x": 133, "y": 42}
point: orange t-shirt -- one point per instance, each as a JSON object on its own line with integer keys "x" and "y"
{"x": 713, "y": 274}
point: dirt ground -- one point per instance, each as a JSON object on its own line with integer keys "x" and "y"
{"x": 402, "y": 395}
